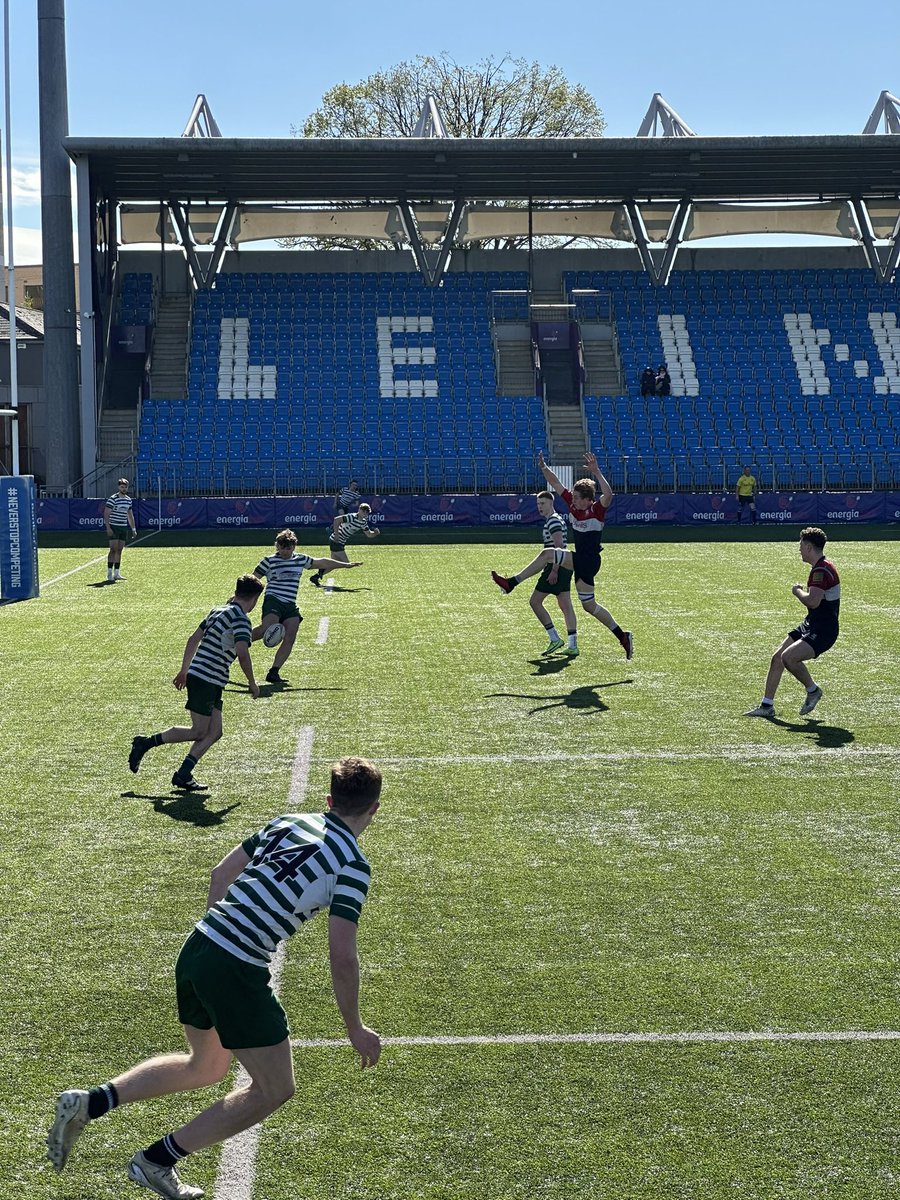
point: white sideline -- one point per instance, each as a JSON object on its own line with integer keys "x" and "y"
{"x": 99, "y": 558}
{"x": 615, "y": 1039}
{"x": 735, "y": 753}
{"x": 322, "y": 635}
{"x": 237, "y": 1162}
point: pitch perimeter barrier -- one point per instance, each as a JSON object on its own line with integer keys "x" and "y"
{"x": 317, "y": 512}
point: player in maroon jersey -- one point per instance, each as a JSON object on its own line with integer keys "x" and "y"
{"x": 587, "y": 514}
{"x": 816, "y": 633}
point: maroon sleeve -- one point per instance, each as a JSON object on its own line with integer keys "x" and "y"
{"x": 598, "y": 511}
{"x": 567, "y": 497}
{"x": 821, "y": 577}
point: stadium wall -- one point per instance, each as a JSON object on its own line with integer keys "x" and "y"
{"x": 317, "y": 512}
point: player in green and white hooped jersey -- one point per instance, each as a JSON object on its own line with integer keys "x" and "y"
{"x": 344, "y": 527}
{"x": 283, "y": 571}
{"x": 259, "y": 895}
{"x": 118, "y": 518}
{"x": 555, "y": 580}
{"x": 223, "y": 635}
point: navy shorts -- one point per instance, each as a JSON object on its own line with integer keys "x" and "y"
{"x": 586, "y": 565}
{"x": 820, "y": 639}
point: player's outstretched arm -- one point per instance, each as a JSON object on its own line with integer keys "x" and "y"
{"x": 344, "y": 963}
{"x": 242, "y": 651}
{"x": 606, "y": 492}
{"x": 550, "y": 475}
{"x": 190, "y": 649}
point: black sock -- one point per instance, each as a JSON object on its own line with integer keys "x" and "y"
{"x": 102, "y": 1100}
{"x": 155, "y": 739}
{"x": 187, "y": 767}
{"x": 166, "y": 1152}
{"x": 617, "y": 630}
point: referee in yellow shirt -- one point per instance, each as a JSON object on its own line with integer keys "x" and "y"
{"x": 745, "y": 489}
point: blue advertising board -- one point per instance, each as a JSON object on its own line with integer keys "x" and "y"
{"x": 18, "y": 539}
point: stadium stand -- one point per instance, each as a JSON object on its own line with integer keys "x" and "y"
{"x": 137, "y": 299}
{"x": 297, "y": 381}
{"x": 795, "y": 372}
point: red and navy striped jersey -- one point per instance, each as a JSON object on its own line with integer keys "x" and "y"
{"x": 823, "y": 574}
{"x": 587, "y": 523}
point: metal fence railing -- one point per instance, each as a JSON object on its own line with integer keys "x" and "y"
{"x": 449, "y": 473}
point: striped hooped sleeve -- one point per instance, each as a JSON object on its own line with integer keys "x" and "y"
{"x": 350, "y": 891}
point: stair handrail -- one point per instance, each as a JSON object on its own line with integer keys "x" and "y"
{"x": 82, "y": 482}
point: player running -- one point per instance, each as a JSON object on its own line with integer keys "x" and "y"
{"x": 815, "y": 634}
{"x": 283, "y": 571}
{"x": 347, "y": 498}
{"x": 260, "y": 894}
{"x": 344, "y": 527}
{"x": 118, "y": 519}
{"x": 587, "y": 516}
{"x": 222, "y": 636}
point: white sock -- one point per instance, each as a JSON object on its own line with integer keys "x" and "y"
{"x": 767, "y": 700}
{"x": 551, "y": 633}
{"x": 573, "y": 642}
{"x": 813, "y": 687}
{"x": 109, "y": 573}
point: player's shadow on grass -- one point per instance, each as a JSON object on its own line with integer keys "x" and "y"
{"x": 101, "y": 583}
{"x": 550, "y": 666}
{"x": 827, "y": 736}
{"x": 345, "y": 589}
{"x": 580, "y": 699}
{"x": 189, "y": 807}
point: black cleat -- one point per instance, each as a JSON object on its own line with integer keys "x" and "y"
{"x": 272, "y": 676}
{"x": 188, "y": 785}
{"x": 315, "y": 580}
{"x": 139, "y": 747}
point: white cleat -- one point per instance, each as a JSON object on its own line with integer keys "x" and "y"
{"x": 71, "y": 1118}
{"x": 162, "y": 1180}
{"x": 761, "y": 710}
{"x": 812, "y": 699}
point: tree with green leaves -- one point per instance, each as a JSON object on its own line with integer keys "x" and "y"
{"x": 494, "y": 98}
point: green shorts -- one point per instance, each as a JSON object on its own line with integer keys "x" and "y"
{"x": 202, "y": 697}
{"x": 280, "y": 608}
{"x": 119, "y": 532}
{"x": 563, "y": 582}
{"x": 215, "y": 989}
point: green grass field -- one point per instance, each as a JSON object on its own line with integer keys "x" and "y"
{"x": 563, "y": 848}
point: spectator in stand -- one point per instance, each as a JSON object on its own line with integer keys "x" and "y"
{"x": 663, "y": 381}
{"x": 648, "y": 382}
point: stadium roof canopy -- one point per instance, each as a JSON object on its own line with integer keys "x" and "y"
{"x": 650, "y": 191}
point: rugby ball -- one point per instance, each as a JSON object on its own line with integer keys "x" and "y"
{"x": 274, "y": 635}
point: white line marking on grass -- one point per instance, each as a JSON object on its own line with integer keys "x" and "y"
{"x": 329, "y": 585}
{"x": 237, "y": 1162}
{"x": 99, "y": 558}
{"x": 617, "y": 1039}
{"x": 726, "y": 753}
{"x": 322, "y": 635}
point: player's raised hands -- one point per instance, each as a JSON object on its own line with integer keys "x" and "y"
{"x": 590, "y": 461}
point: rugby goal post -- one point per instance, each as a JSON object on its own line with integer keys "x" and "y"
{"x": 18, "y": 539}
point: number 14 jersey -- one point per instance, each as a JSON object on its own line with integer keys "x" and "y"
{"x": 299, "y": 864}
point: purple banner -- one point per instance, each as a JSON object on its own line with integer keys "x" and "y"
{"x": 391, "y": 510}
{"x": 850, "y": 508}
{"x": 650, "y": 510}
{"x": 445, "y": 510}
{"x": 788, "y": 508}
{"x": 303, "y": 511}
{"x": 892, "y": 506}
{"x": 86, "y": 514}
{"x": 257, "y": 512}
{"x": 52, "y": 514}
{"x": 511, "y": 510}
{"x": 176, "y": 514}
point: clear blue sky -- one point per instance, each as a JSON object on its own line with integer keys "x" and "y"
{"x": 765, "y": 67}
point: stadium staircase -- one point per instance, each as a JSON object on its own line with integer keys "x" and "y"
{"x": 168, "y": 368}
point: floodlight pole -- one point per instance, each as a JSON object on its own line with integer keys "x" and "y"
{"x": 11, "y": 258}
